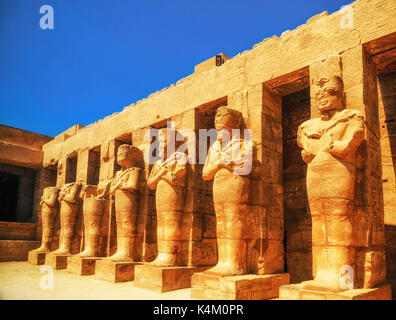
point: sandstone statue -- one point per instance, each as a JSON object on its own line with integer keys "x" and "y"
{"x": 329, "y": 146}
{"x": 94, "y": 198}
{"x": 69, "y": 208}
{"x": 49, "y": 210}
{"x": 229, "y": 163}
{"x": 125, "y": 188}
{"x": 168, "y": 178}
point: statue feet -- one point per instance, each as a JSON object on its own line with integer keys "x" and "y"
{"x": 87, "y": 253}
{"x": 42, "y": 249}
{"x": 62, "y": 250}
{"x": 225, "y": 269}
{"x": 120, "y": 256}
{"x": 326, "y": 280}
{"x": 164, "y": 260}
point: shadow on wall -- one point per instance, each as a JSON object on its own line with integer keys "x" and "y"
{"x": 298, "y": 224}
{"x": 387, "y": 87}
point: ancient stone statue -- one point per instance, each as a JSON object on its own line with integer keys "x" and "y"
{"x": 227, "y": 164}
{"x": 69, "y": 207}
{"x": 168, "y": 178}
{"x": 93, "y": 205}
{"x": 125, "y": 187}
{"x": 329, "y": 146}
{"x": 48, "y": 214}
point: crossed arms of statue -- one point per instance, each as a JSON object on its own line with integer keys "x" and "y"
{"x": 352, "y": 137}
{"x": 125, "y": 180}
{"x": 160, "y": 171}
{"x": 70, "y": 192}
{"x": 49, "y": 197}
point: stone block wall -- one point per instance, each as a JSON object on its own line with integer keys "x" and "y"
{"x": 269, "y": 86}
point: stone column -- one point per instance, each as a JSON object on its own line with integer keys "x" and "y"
{"x": 360, "y": 86}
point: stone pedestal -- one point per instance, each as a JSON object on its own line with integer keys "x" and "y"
{"x": 37, "y": 258}
{"x": 112, "y": 271}
{"x": 163, "y": 279}
{"x": 56, "y": 261}
{"x": 296, "y": 292}
{"x": 245, "y": 287}
{"x": 81, "y": 266}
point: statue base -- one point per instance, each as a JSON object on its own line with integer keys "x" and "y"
{"x": 81, "y": 266}
{"x": 56, "y": 261}
{"x": 245, "y": 287}
{"x": 113, "y": 271}
{"x": 296, "y": 292}
{"x": 163, "y": 279}
{"x": 37, "y": 258}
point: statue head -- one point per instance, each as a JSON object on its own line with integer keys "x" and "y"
{"x": 329, "y": 94}
{"x": 227, "y": 118}
{"x": 128, "y": 156}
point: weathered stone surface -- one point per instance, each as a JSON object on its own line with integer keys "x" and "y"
{"x": 163, "y": 279}
{"x": 205, "y": 286}
{"x": 108, "y": 270}
{"x": 82, "y": 266}
{"x": 16, "y": 250}
{"x": 36, "y": 258}
{"x": 17, "y": 231}
{"x": 56, "y": 261}
{"x": 296, "y": 292}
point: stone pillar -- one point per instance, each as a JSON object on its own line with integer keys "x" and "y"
{"x": 82, "y": 166}
{"x": 360, "y": 86}
{"x": 61, "y": 173}
{"x": 108, "y": 168}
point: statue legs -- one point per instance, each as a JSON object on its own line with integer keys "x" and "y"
{"x": 168, "y": 237}
{"x": 68, "y": 217}
{"x": 330, "y": 188}
{"x": 231, "y": 196}
{"x": 232, "y": 251}
{"x": 47, "y": 224}
{"x": 93, "y": 209}
{"x": 126, "y": 215}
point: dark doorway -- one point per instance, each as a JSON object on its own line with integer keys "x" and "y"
{"x": 298, "y": 243}
{"x": 9, "y": 184}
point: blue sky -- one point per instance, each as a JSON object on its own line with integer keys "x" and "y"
{"x": 104, "y": 55}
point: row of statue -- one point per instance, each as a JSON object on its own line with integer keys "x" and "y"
{"x": 328, "y": 143}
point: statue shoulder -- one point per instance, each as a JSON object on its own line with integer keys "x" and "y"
{"x": 349, "y": 114}
{"x": 306, "y": 124}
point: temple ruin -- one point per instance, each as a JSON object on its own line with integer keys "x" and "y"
{"x": 326, "y": 89}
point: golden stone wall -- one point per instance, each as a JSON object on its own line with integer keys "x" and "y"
{"x": 259, "y": 83}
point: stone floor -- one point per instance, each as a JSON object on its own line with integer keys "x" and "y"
{"x": 21, "y": 281}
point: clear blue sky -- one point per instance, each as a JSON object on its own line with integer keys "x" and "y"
{"x": 104, "y": 55}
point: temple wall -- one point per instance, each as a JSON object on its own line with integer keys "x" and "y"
{"x": 387, "y": 114}
{"x": 270, "y": 85}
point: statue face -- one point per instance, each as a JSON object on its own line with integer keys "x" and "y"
{"x": 328, "y": 95}
{"x": 123, "y": 156}
{"x": 225, "y": 120}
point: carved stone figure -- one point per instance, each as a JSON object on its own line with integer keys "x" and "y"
{"x": 125, "y": 187}
{"x": 168, "y": 178}
{"x": 48, "y": 213}
{"x": 69, "y": 207}
{"x": 329, "y": 146}
{"x": 93, "y": 205}
{"x": 229, "y": 165}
